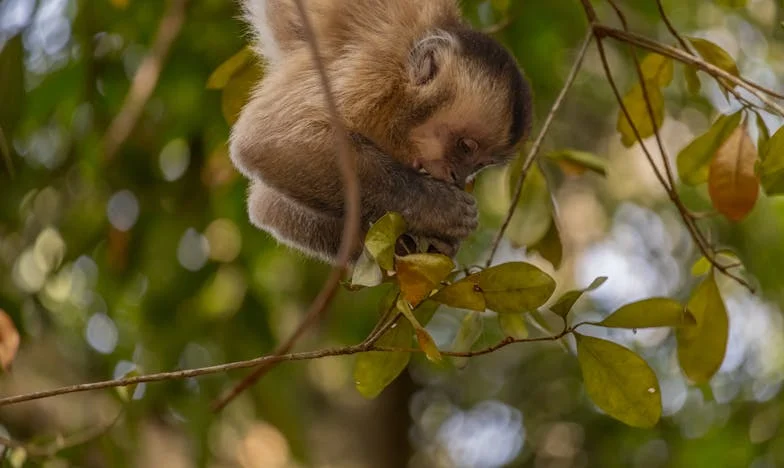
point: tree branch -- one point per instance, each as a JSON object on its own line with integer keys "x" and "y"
{"x": 145, "y": 80}
{"x": 757, "y": 90}
{"x": 350, "y": 236}
{"x": 365, "y": 346}
{"x": 529, "y": 160}
{"x": 667, "y": 180}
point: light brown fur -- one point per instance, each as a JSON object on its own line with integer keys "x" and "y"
{"x": 376, "y": 53}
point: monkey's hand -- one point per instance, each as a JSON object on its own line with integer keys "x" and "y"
{"x": 442, "y": 213}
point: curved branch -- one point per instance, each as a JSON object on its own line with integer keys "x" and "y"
{"x": 350, "y": 236}
{"x": 365, "y": 346}
{"x": 529, "y": 160}
{"x": 759, "y": 91}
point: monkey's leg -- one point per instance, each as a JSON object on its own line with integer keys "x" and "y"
{"x": 295, "y": 225}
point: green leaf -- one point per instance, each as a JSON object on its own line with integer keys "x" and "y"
{"x": 382, "y": 236}
{"x": 565, "y": 303}
{"x": 694, "y": 160}
{"x": 425, "y": 311}
{"x": 366, "y": 271}
{"x": 470, "y": 329}
{"x": 634, "y": 101}
{"x": 716, "y": 56}
{"x": 463, "y": 294}
{"x": 513, "y": 325}
{"x": 657, "y": 69}
{"x": 222, "y": 76}
{"x": 374, "y": 370}
{"x": 532, "y": 217}
{"x": 649, "y": 313}
{"x": 576, "y": 161}
{"x": 701, "y": 348}
{"x": 763, "y": 137}
{"x": 550, "y": 246}
{"x": 237, "y": 92}
{"x": 419, "y": 274}
{"x": 619, "y": 382}
{"x": 692, "y": 80}
{"x": 515, "y": 287}
{"x": 772, "y": 168}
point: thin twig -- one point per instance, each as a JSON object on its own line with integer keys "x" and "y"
{"x": 363, "y": 347}
{"x": 671, "y": 28}
{"x": 757, "y": 90}
{"x": 669, "y": 187}
{"x": 666, "y": 180}
{"x": 60, "y": 444}
{"x": 146, "y": 79}
{"x": 350, "y": 236}
{"x": 529, "y": 160}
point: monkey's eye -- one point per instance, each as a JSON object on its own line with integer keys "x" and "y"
{"x": 467, "y": 145}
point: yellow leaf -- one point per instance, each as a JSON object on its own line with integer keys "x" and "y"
{"x": 382, "y": 237}
{"x": 463, "y": 294}
{"x": 657, "y": 69}
{"x": 634, "y": 101}
{"x": 620, "y": 382}
{"x": 701, "y": 348}
{"x": 694, "y": 159}
{"x": 515, "y": 287}
{"x": 427, "y": 345}
{"x": 576, "y": 162}
{"x": 692, "y": 80}
{"x": 419, "y": 274}
{"x": 424, "y": 339}
{"x": 650, "y": 313}
{"x": 733, "y": 184}
{"x": 701, "y": 266}
{"x": 235, "y": 64}
{"x": 237, "y": 91}
{"x": 374, "y": 370}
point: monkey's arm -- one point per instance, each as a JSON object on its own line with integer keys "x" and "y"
{"x": 293, "y": 224}
{"x": 308, "y": 174}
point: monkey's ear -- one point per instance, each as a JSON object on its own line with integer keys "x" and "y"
{"x": 423, "y": 63}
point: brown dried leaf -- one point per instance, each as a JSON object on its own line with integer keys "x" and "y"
{"x": 9, "y": 340}
{"x": 733, "y": 184}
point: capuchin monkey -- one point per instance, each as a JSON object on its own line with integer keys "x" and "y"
{"x": 426, "y": 100}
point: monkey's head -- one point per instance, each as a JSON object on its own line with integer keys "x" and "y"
{"x": 472, "y": 104}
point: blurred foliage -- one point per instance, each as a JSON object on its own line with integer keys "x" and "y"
{"x": 148, "y": 263}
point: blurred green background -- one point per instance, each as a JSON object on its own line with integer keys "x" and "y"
{"x": 146, "y": 262}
